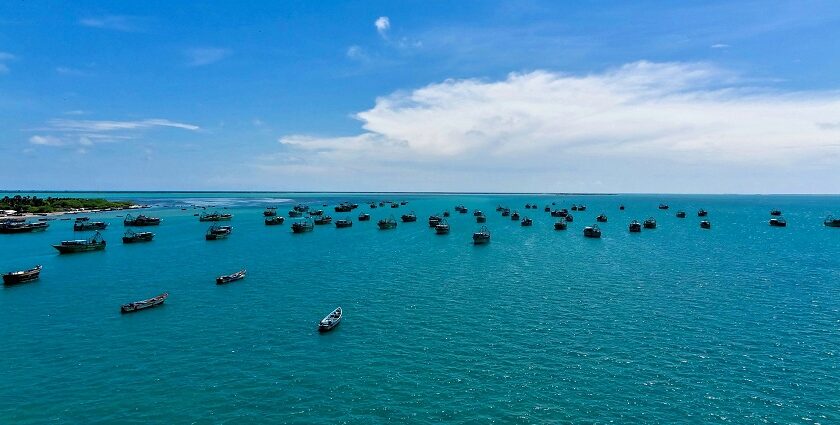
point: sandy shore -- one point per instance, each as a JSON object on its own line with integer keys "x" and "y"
{"x": 82, "y": 211}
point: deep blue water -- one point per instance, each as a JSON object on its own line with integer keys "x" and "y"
{"x": 737, "y": 324}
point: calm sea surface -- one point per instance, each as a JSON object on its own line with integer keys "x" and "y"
{"x": 737, "y": 324}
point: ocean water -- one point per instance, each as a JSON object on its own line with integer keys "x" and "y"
{"x": 737, "y": 324}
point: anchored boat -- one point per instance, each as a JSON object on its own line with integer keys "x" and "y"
{"x": 23, "y": 276}
{"x": 302, "y": 226}
{"x": 216, "y": 232}
{"x": 592, "y": 231}
{"x": 702, "y": 213}
{"x": 131, "y": 236}
{"x": 324, "y": 219}
{"x": 96, "y": 243}
{"x": 705, "y": 224}
{"x": 482, "y": 236}
{"x": 331, "y": 321}
{"x": 775, "y": 212}
{"x": 680, "y": 214}
{"x": 832, "y": 222}
{"x": 81, "y": 225}
{"x": 434, "y": 220}
{"x": 560, "y": 224}
{"x": 228, "y": 278}
{"x": 215, "y": 216}
{"x": 387, "y": 224}
{"x": 9, "y": 226}
{"x": 410, "y": 217}
{"x": 344, "y": 222}
{"x": 527, "y": 222}
{"x": 270, "y": 212}
{"x": 274, "y": 220}
{"x": 144, "y": 304}
{"x": 778, "y": 222}
{"x": 601, "y": 218}
{"x": 650, "y": 223}
{"x": 140, "y": 220}
{"x": 481, "y": 218}
{"x": 635, "y": 226}
{"x": 442, "y": 228}
{"x": 364, "y": 217}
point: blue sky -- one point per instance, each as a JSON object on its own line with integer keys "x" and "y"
{"x": 691, "y": 97}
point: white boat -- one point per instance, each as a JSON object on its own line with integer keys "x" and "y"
{"x": 331, "y": 321}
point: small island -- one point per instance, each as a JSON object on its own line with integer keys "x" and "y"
{"x": 36, "y": 205}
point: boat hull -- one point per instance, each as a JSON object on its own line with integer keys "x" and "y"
{"x": 64, "y": 249}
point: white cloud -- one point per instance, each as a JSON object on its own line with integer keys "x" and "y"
{"x": 5, "y": 57}
{"x": 206, "y": 55}
{"x": 719, "y": 46}
{"x": 634, "y": 118}
{"x": 87, "y": 133}
{"x": 64, "y": 70}
{"x": 357, "y": 53}
{"x": 46, "y": 140}
{"x": 382, "y": 24}
{"x": 112, "y": 22}
{"x": 102, "y": 126}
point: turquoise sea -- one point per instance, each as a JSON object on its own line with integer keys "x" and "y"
{"x": 737, "y": 324}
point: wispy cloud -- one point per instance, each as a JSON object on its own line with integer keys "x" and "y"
{"x": 383, "y": 25}
{"x": 206, "y": 55}
{"x": 87, "y": 133}
{"x": 5, "y": 57}
{"x": 113, "y": 22}
{"x": 719, "y": 46}
{"x": 46, "y": 141}
{"x": 357, "y": 53}
{"x": 100, "y": 126}
{"x": 73, "y": 72}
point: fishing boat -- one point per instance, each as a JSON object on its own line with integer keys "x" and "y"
{"x": 775, "y": 212}
{"x": 446, "y": 213}
{"x": 650, "y": 223}
{"x": 832, "y": 222}
{"x": 343, "y": 223}
{"x": 22, "y": 227}
{"x": 89, "y": 225}
{"x": 526, "y": 222}
{"x": 215, "y": 216}
{"x": 372, "y": 205}
{"x": 635, "y": 226}
{"x": 481, "y": 218}
{"x": 270, "y": 212}
{"x": 293, "y": 213}
{"x": 274, "y": 220}
{"x": 592, "y": 231}
{"x": 570, "y": 218}
{"x": 547, "y": 208}
{"x": 442, "y": 228}
{"x": 364, "y": 217}
{"x": 463, "y": 210}
{"x": 386, "y": 224}
{"x": 778, "y": 222}
{"x": 131, "y": 236}
{"x": 216, "y": 232}
{"x": 408, "y": 218}
{"x": 395, "y": 205}
{"x": 316, "y": 213}
{"x": 482, "y": 236}
{"x": 515, "y": 216}
{"x": 434, "y": 220}
{"x": 221, "y": 280}
{"x": 506, "y": 212}
{"x": 601, "y": 218}
{"x": 560, "y": 224}
{"x": 702, "y": 213}
{"x": 621, "y": 207}
{"x": 343, "y": 208}
{"x": 23, "y": 276}
{"x": 460, "y": 208}
{"x": 331, "y": 321}
{"x": 144, "y": 304}
{"x": 477, "y": 213}
{"x": 301, "y": 208}
{"x": 96, "y": 243}
{"x": 403, "y": 202}
{"x": 302, "y": 226}
{"x": 527, "y": 206}
{"x": 381, "y": 204}
{"x": 140, "y": 220}
{"x": 574, "y": 207}
{"x": 680, "y": 214}
{"x": 560, "y": 213}
{"x": 321, "y": 220}
{"x": 581, "y": 207}
{"x": 663, "y": 206}
{"x": 705, "y": 224}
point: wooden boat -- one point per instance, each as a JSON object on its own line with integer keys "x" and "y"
{"x": 601, "y": 218}
{"x": 403, "y": 202}
{"x": 96, "y": 243}
{"x": 446, "y": 213}
{"x": 316, "y": 213}
{"x": 560, "y": 213}
{"x": 680, "y": 214}
{"x": 216, "y": 232}
{"x": 302, "y": 226}
{"x": 274, "y": 220}
{"x": 592, "y": 231}
{"x": 144, "y": 304}
{"x": 515, "y": 216}
{"x": 526, "y": 222}
{"x": 301, "y": 208}
{"x": 80, "y": 226}
{"x": 23, "y": 276}
{"x": 650, "y": 223}
{"x": 343, "y": 223}
{"x": 482, "y": 236}
{"x": 560, "y": 224}
{"x": 702, "y": 213}
{"x": 381, "y": 204}
{"x": 460, "y": 208}
{"x": 293, "y": 213}
{"x": 705, "y": 224}
{"x": 215, "y": 216}
{"x": 131, "y": 236}
{"x": 442, "y": 228}
{"x": 581, "y": 207}
{"x": 527, "y": 206}
{"x": 410, "y": 217}
{"x": 547, "y": 208}
{"x": 434, "y": 220}
{"x": 775, "y": 212}
{"x": 635, "y": 226}
{"x": 832, "y": 222}
{"x": 364, "y": 217}
{"x": 621, "y": 207}
{"x": 477, "y": 213}
{"x": 570, "y": 218}
{"x": 481, "y": 218}
{"x": 574, "y": 207}
{"x": 221, "y": 280}
{"x": 395, "y": 205}
{"x": 140, "y": 220}
{"x": 343, "y": 208}
{"x": 10, "y": 227}
{"x": 386, "y": 224}
{"x": 270, "y": 212}
{"x": 663, "y": 206}
{"x": 778, "y": 222}
{"x": 506, "y": 212}
{"x": 332, "y": 320}
{"x": 321, "y": 220}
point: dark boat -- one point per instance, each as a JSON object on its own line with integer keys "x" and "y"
{"x": 434, "y": 220}
{"x": 321, "y": 220}
{"x": 131, "y": 236}
{"x": 446, "y": 213}
{"x": 481, "y": 218}
{"x": 216, "y": 232}
{"x": 601, "y": 218}
{"x": 343, "y": 223}
{"x": 23, "y": 276}
{"x": 680, "y": 214}
{"x": 364, "y": 217}
{"x": 635, "y": 226}
{"x": 832, "y": 222}
{"x": 89, "y": 225}
{"x": 301, "y": 208}
{"x": 506, "y": 212}
{"x": 442, "y": 228}
{"x": 316, "y": 213}
{"x": 22, "y": 227}
{"x": 215, "y": 216}
{"x": 560, "y": 213}
{"x": 386, "y": 224}
{"x": 482, "y": 236}
{"x": 343, "y": 208}
{"x": 570, "y": 218}
{"x": 293, "y": 213}
{"x": 408, "y": 218}
{"x": 621, "y": 207}
{"x": 702, "y": 213}
{"x": 477, "y": 213}
{"x": 527, "y": 206}
{"x": 527, "y": 222}
{"x": 372, "y": 205}
{"x": 460, "y": 208}
{"x": 221, "y": 280}
{"x": 574, "y": 207}
{"x": 663, "y": 206}
{"x": 560, "y": 224}
{"x": 547, "y": 208}
{"x": 705, "y": 224}
{"x": 141, "y": 305}
{"x": 140, "y": 220}
{"x": 499, "y": 208}
{"x": 650, "y": 223}
{"x": 403, "y": 202}
{"x": 96, "y": 243}
{"x": 270, "y": 212}
{"x": 331, "y": 321}
{"x": 381, "y": 204}
{"x": 274, "y": 220}
{"x": 395, "y": 205}
{"x": 302, "y": 226}
{"x": 778, "y": 222}
{"x": 515, "y": 216}
{"x": 775, "y": 213}
{"x": 581, "y": 207}
{"x": 592, "y": 231}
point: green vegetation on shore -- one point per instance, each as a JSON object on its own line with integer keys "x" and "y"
{"x": 34, "y": 204}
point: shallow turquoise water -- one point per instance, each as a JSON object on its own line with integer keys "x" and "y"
{"x": 739, "y": 324}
